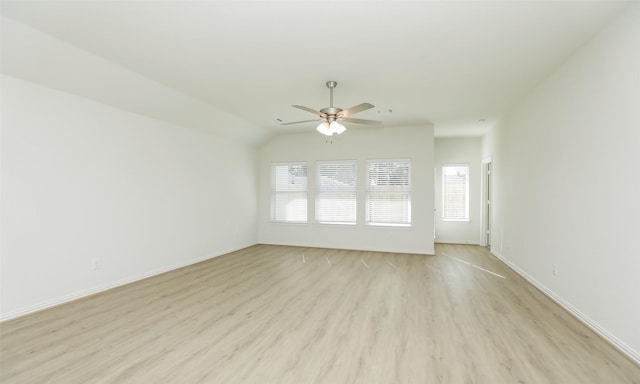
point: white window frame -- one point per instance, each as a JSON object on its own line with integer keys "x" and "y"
{"x": 399, "y": 191}
{"x": 447, "y": 186}
{"x": 297, "y": 197}
{"x": 328, "y": 189}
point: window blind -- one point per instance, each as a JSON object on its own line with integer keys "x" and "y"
{"x": 455, "y": 192}
{"x": 388, "y": 199}
{"x": 289, "y": 192}
{"x": 336, "y": 193}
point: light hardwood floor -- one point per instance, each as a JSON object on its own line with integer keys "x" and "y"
{"x": 275, "y": 314}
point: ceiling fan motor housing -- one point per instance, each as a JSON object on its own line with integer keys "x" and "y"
{"x": 331, "y": 111}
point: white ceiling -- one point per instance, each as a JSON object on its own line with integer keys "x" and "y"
{"x": 449, "y": 63}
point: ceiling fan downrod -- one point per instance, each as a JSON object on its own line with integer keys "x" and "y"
{"x": 331, "y": 85}
{"x": 331, "y": 112}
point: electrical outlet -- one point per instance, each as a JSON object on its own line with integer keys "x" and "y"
{"x": 95, "y": 264}
{"x": 555, "y": 269}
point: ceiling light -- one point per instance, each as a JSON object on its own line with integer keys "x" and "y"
{"x": 330, "y": 128}
{"x": 324, "y": 129}
{"x": 336, "y": 127}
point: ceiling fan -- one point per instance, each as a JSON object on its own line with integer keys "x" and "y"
{"x": 330, "y": 115}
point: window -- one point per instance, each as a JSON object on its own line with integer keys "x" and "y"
{"x": 289, "y": 192}
{"x": 336, "y": 192}
{"x": 455, "y": 192}
{"x": 388, "y": 192}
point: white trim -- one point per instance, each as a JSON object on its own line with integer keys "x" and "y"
{"x": 409, "y": 251}
{"x": 602, "y": 332}
{"x": 105, "y": 287}
{"x": 484, "y": 212}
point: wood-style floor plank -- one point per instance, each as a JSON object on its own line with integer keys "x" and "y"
{"x": 277, "y": 314}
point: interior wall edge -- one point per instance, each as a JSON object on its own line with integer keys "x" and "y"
{"x": 30, "y": 309}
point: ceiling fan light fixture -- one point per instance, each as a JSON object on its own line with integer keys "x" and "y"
{"x": 324, "y": 128}
{"x": 336, "y": 127}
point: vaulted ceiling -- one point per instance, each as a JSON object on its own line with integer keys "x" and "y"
{"x": 459, "y": 65}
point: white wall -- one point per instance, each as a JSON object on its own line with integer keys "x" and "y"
{"x": 358, "y": 144}
{"x": 85, "y": 182}
{"x": 88, "y": 179}
{"x": 567, "y": 173}
{"x": 459, "y": 151}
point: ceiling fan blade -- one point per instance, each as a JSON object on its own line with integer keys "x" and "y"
{"x": 356, "y": 109}
{"x": 361, "y": 121}
{"x": 298, "y": 122}
{"x": 310, "y": 110}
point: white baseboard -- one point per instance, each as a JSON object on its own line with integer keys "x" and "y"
{"x": 454, "y": 241}
{"x": 412, "y": 251}
{"x": 104, "y": 287}
{"x": 602, "y": 332}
